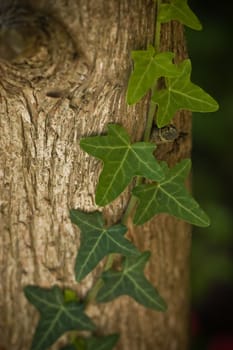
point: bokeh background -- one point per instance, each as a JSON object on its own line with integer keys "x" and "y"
{"x": 211, "y": 52}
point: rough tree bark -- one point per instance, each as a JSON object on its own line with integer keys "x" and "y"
{"x": 72, "y": 85}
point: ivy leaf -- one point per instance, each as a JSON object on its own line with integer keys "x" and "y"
{"x": 181, "y": 93}
{"x": 97, "y": 241}
{"x": 169, "y": 196}
{"x": 94, "y": 343}
{"x": 131, "y": 281}
{"x": 56, "y": 316}
{"x": 102, "y": 343}
{"x": 79, "y": 343}
{"x": 122, "y": 161}
{"x": 180, "y": 11}
{"x": 148, "y": 67}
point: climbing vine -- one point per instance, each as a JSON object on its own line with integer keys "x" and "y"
{"x": 62, "y": 310}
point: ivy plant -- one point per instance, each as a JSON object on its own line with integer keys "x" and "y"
{"x": 158, "y": 189}
{"x": 169, "y": 196}
{"x": 181, "y": 93}
{"x": 132, "y": 282}
{"x": 122, "y": 161}
{"x": 57, "y": 315}
{"x": 97, "y": 241}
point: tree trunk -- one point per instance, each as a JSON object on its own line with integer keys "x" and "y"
{"x": 70, "y": 84}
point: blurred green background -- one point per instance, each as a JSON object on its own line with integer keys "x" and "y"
{"x": 211, "y": 53}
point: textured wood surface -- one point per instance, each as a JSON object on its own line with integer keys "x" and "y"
{"x": 72, "y": 85}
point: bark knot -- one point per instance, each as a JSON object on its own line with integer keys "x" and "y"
{"x": 34, "y": 46}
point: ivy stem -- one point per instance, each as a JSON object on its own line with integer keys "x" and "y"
{"x": 91, "y": 297}
{"x": 132, "y": 203}
{"x": 133, "y": 200}
{"x": 99, "y": 283}
{"x": 157, "y": 28}
{"x": 152, "y": 105}
{"x": 150, "y": 117}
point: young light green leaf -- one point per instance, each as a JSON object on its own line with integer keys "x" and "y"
{"x": 131, "y": 281}
{"x": 122, "y": 161}
{"x": 180, "y": 11}
{"x": 148, "y": 67}
{"x": 181, "y": 93}
{"x": 94, "y": 343}
{"x": 56, "y": 316}
{"x": 169, "y": 196}
{"x": 69, "y": 295}
{"x": 97, "y": 241}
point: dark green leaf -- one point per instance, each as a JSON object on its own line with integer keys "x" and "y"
{"x": 181, "y": 93}
{"x": 80, "y": 343}
{"x": 56, "y": 315}
{"x": 148, "y": 67}
{"x": 180, "y": 11}
{"x": 94, "y": 343}
{"x": 169, "y": 196}
{"x": 131, "y": 281}
{"x": 102, "y": 343}
{"x": 122, "y": 161}
{"x": 77, "y": 344}
{"x": 98, "y": 241}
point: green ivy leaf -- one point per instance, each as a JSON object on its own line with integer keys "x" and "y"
{"x": 97, "y": 241}
{"x": 180, "y": 11}
{"x": 148, "y": 67}
{"x": 79, "y": 343}
{"x": 169, "y": 196}
{"x": 131, "y": 281}
{"x": 102, "y": 343}
{"x": 56, "y": 316}
{"x": 95, "y": 343}
{"x": 122, "y": 161}
{"x": 181, "y": 93}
